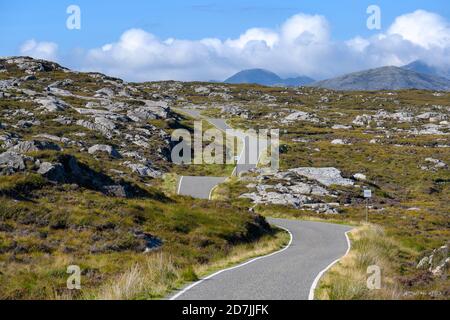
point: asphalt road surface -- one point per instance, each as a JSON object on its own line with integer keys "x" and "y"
{"x": 289, "y": 274}
{"x": 286, "y": 275}
{"x": 198, "y": 187}
{"x": 201, "y": 187}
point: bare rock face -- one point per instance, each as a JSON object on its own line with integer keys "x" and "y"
{"x": 233, "y": 110}
{"x": 326, "y": 176}
{"x": 340, "y": 127}
{"x": 8, "y": 140}
{"x": 300, "y": 116}
{"x": 437, "y": 262}
{"x": 296, "y": 190}
{"x": 434, "y": 164}
{"x": 152, "y": 110}
{"x": 34, "y": 145}
{"x": 144, "y": 171}
{"x": 106, "y": 149}
{"x": 11, "y": 162}
{"x": 291, "y": 199}
{"x": 115, "y": 191}
{"x": 105, "y": 92}
{"x": 202, "y": 90}
{"x": 53, "y": 172}
{"x": 105, "y": 122}
{"x": 52, "y": 104}
{"x": 360, "y": 176}
{"x": 51, "y": 137}
{"x": 96, "y": 127}
{"x": 68, "y": 170}
{"x": 31, "y": 65}
{"x": 340, "y": 142}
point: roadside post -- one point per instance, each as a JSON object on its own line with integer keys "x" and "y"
{"x": 367, "y": 196}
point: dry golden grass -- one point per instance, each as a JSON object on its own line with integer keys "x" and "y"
{"x": 158, "y": 275}
{"x": 347, "y": 280}
{"x": 146, "y": 280}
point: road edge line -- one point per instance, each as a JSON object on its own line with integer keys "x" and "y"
{"x": 320, "y": 275}
{"x": 192, "y": 285}
{"x": 211, "y": 192}
{"x": 179, "y": 184}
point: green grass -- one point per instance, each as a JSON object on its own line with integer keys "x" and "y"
{"x": 371, "y": 246}
{"x": 41, "y": 236}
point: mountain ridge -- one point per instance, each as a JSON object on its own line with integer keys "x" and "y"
{"x": 267, "y": 78}
{"x": 385, "y": 78}
{"x": 423, "y": 67}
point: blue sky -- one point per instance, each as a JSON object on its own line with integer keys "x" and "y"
{"x": 103, "y": 22}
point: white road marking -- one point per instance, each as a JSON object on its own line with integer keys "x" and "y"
{"x": 316, "y": 280}
{"x": 235, "y": 267}
{"x": 179, "y": 184}
{"x": 211, "y": 192}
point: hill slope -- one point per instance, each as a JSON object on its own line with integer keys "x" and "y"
{"x": 423, "y": 67}
{"x": 385, "y": 78}
{"x": 82, "y": 157}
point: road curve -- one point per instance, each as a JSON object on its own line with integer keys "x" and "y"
{"x": 198, "y": 187}
{"x": 286, "y": 275}
{"x": 201, "y": 187}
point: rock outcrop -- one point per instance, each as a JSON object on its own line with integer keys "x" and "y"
{"x": 301, "y": 188}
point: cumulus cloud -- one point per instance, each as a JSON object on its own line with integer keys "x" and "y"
{"x": 418, "y": 35}
{"x": 302, "y": 27}
{"x": 39, "y": 50}
{"x": 423, "y": 28}
{"x": 302, "y": 45}
{"x": 269, "y": 37}
{"x": 294, "y": 48}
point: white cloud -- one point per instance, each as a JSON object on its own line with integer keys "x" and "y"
{"x": 423, "y": 28}
{"x": 294, "y": 48}
{"x": 358, "y": 44}
{"x": 301, "y": 45}
{"x": 39, "y": 50}
{"x": 269, "y": 37}
{"x": 303, "y": 28}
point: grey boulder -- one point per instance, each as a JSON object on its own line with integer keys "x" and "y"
{"x": 53, "y": 172}
{"x": 326, "y": 176}
{"x": 52, "y": 104}
{"x": 12, "y": 161}
{"x": 34, "y": 145}
{"x": 106, "y": 149}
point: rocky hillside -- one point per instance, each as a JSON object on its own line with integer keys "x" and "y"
{"x": 86, "y": 178}
{"x": 334, "y": 144}
{"x": 46, "y": 109}
{"x": 83, "y": 164}
{"x": 385, "y": 78}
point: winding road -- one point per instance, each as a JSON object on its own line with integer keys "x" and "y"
{"x": 202, "y": 187}
{"x": 289, "y": 274}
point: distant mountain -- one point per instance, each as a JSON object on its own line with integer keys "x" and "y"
{"x": 298, "y": 81}
{"x": 423, "y": 67}
{"x": 267, "y": 78}
{"x": 385, "y": 78}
